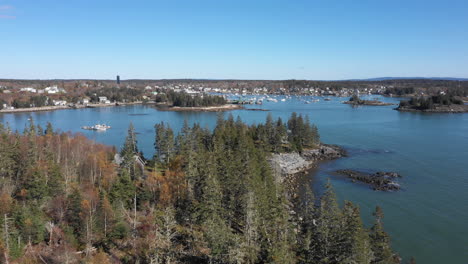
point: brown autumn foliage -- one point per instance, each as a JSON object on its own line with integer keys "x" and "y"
{"x": 172, "y": 183}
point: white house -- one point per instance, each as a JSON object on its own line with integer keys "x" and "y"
{"x": 28, "y": 89}
{"x": 59, "y": 102}
{"x": 6, "y": 107}
{"x": 54, "y": 89}
{"x": 103, "y": 99}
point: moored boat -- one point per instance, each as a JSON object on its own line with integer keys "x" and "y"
{"x": 99, "y": 127}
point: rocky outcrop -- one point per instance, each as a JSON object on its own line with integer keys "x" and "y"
{"x": 324, "y": 152}
{"x": 382, "y": 181}
{"x": 293, "y": 163}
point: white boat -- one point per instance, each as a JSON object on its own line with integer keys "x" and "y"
{"x": 283, "y": 100}
{"x": 101, "y": 127}
{"x": 98, "y": 127}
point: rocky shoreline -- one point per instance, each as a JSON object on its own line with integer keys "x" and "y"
{"x": 290, "y": 169}
{"x": 381, "y": 181}
{"x": 293, "y": 163}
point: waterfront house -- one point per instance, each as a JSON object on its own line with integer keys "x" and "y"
{"x": 59, "y": 102}
{"x": 103, "y": 99}
{"x": 85, "y": 101}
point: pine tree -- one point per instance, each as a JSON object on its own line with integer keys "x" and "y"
{"x": 128, "y": 154}
{"x": 73, "y": 213}
{"x": 49, "y": 129}
{"x": 123, "y": 190}
{"x": 164, "y": 142}
{"x": 55, "y": 181}
{"x": 356, "y": 246}
{"x": 380, "y": 241}
{"x": 281, "y": 135}
{"x": 130, "y": 145}
{"x": 326, "y": 247}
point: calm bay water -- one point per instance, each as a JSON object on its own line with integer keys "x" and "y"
{"x": 428, "y": 219}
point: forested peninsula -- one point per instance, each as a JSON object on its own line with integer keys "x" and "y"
{"x": 442, "y": 103}
{"x": 207, "y": 196}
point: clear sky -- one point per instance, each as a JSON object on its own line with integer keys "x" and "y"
{"x": 239, "y": 39}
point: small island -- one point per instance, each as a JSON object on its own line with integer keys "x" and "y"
{"x": 434, "y": 104}
{"x": 182, "y": 101}
{"x": 355, "y": 101}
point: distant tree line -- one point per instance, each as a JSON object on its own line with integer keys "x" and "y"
{"x": 183, "y": 99}
{"x": 424, "y": 103}
{"x": 400, "y": 91}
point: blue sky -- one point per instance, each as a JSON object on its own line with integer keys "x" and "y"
{"x": 239, "y": 39}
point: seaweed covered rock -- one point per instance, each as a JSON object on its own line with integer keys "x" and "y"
{"x": 382, "y": 181}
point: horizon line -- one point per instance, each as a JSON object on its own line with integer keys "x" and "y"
{"x": 234, "y": 79}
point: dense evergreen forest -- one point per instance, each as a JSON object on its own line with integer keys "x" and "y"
{"x": 183, "y": 99}
{"x": 205, "y": 197}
